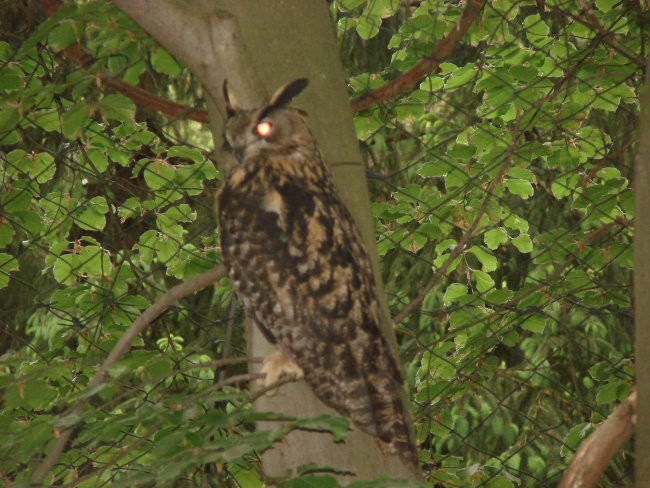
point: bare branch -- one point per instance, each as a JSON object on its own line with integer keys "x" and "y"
{"x": 146, "y": 99}
{"x": 413, "y": 76}
{"x": 121, "y": 348}
{"x": 595, "y": 453}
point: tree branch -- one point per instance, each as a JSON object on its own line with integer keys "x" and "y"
{"x": 140, "y": 97}
{"x": 224, "y": 29}
{"x": 120, "y": 349}
{"x": 143, "y": 98}
{"x": 187, "y": 34}
{"x": 595, "y": 453}
{"x": 413, "y": 76}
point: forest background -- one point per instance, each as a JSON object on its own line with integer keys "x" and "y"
{"x": 500, "y": 184}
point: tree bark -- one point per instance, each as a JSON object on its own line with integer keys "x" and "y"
{"x": 642, "y": 290}
{"x": 596, "y": 452}
{"x": 278, "y": 42}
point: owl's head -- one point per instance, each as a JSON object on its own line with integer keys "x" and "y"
{"x": 266, "y": 129}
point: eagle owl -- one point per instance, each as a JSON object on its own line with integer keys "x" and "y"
{"x": 297, "y": 262}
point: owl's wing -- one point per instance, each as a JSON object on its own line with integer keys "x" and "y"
{"x": 299, "y": 265}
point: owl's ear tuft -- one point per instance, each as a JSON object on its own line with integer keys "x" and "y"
{"x": 232, "y": 106}
{"x": 286, "y": 93}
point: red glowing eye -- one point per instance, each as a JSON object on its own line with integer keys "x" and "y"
{"x": 264, "y": 129}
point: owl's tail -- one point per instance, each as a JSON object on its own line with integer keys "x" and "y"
{"x": 392, "y": 424}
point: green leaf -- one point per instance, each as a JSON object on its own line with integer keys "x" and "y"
{"x": 487, "y": 260}
{"x": 75, "y": 120}
{"x": 159, "y": 174}
{"x": 6, "y": 233}
{"x": 606, "y": 5}
{"x": 493, "y": 238}
{"x": 345, "y": 24}
{"x": 91, "y": 215}
{"x": 432, "y": 83}
{"x": 535, "y": 324}
{"x": 11, "y": 78}
{"x": 7, "y": 264}
{"x": 49, "y": 120}
{"x": 536, "y": 30}
{"x": 521, "y": 188}
{"x": 94, "y": 261}
{"x": 43, "y": 167}
{"x": 368, "y": 26}
{"x": 9, "y": 117}
{"x": 511, "y": 339}
{"x": 500, "y": 482}
{"x": 484, "y": 281}
{"x": 564, "y": 186}
{"x": 32, "y": 393}
{"x": 65, "y": 267}
{"x": 346, "y": 5}
{"x": 98, "y": 159}
{"x": 461, "y": 76}
{"x": 434, "y": 168}
{"x": 164, "y": 63}
{"x": 186, "y": 152}
{"x": 454, "y": 291}
{"x": 63, "y": 35}
{"x": 117, "y": 107}
{"x": 575, "y": 436}
{"x": 383, "y": 8}
{"x": 612, "y": 392}
{"x": 521, "y": 173}
{"x": 500, "y": 296}
{"x": 523, "y": 243}
{"x": 513, "y": 221}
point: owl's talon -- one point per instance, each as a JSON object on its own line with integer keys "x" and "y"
{"x": 276, "y": 365}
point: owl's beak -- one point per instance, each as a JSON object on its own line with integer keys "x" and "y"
{"x": 239, "y": 154}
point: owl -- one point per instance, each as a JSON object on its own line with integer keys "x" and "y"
{"x": 297, "y": 262}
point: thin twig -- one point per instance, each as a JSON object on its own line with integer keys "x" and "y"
{"x": 120, "y": 349}
{"x": 425, "y": 66}
{"x": 239, "y": 378}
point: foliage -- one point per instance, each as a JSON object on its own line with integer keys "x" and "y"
{"x": 501, "y": 193}
{"x": 508, "y": 169}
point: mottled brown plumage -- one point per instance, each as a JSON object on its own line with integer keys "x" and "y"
{"x": 297, "y": 261}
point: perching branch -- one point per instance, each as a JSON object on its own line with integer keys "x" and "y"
{"x": 121, "y": 348}
{"x": 415, "y": 75}
{"x": 595, "y": 453}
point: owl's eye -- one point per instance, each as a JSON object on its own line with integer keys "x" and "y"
{"x": 264, "y": 128}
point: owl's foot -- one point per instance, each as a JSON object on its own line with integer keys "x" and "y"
{"x": 275, "y": 365}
